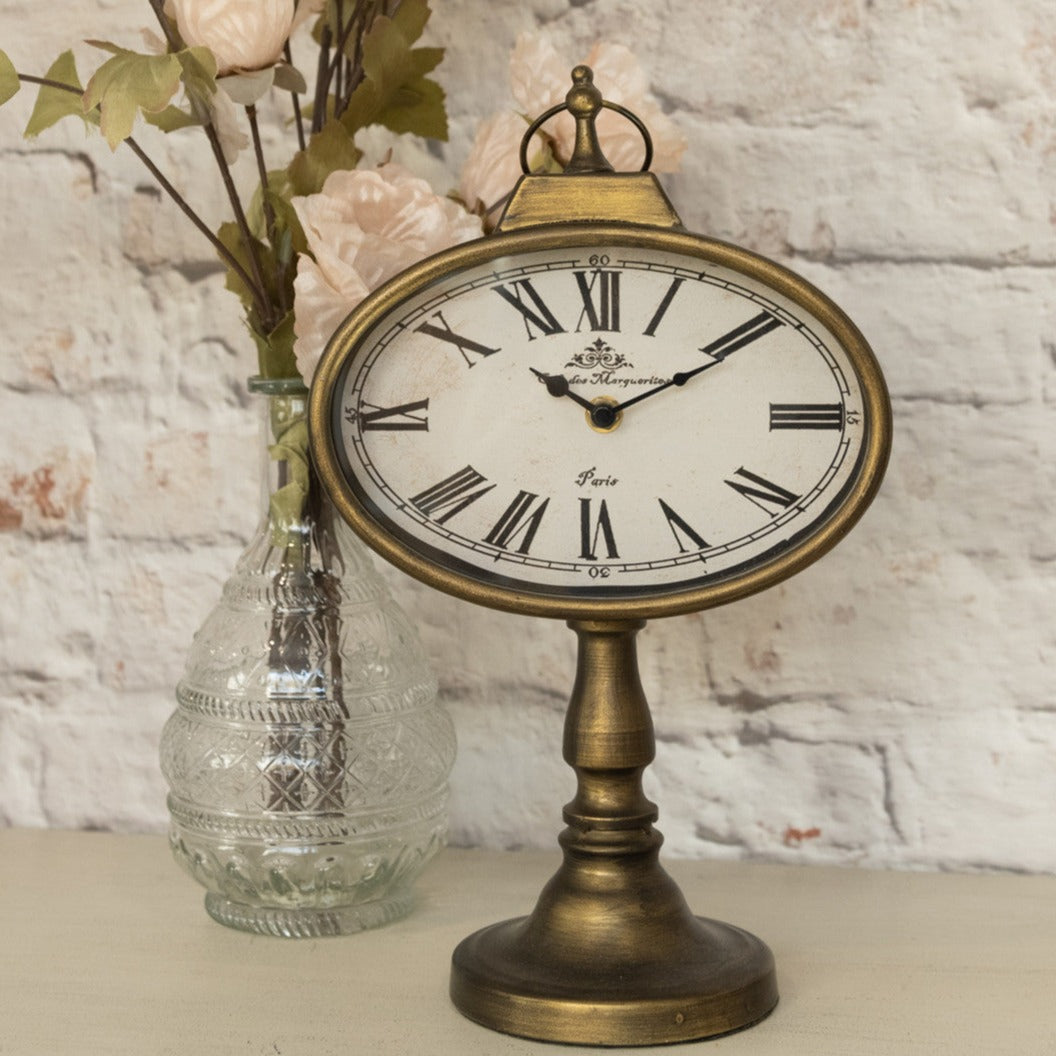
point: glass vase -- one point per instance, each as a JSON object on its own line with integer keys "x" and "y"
{"x": 308, "y": 756}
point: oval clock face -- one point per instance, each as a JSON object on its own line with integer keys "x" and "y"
{"x": 600, "y": 423}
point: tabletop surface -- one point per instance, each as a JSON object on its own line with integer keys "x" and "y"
{"x": 106, "y": 948}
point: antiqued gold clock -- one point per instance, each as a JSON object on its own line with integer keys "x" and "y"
{"x": 598, "y": 416}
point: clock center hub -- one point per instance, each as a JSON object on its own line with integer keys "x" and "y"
{"x": 604, "y": 416}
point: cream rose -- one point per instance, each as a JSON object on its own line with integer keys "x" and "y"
{"x": 242, "y": 34}
{"x": 494, "y": 165}
{"x": 539, "y": 77}
{"x": 622, "y": 79}
{"x": 364, "y": 227}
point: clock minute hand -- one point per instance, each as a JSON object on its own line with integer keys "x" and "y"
{"x": 557, "y": 385}
{"x": 719, "y": 349}
{"x": 676, "y": 380}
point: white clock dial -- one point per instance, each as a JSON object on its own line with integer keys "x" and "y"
{"x": 600, "y": 419}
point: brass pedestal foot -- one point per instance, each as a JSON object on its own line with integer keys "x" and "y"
{"x": 612, "y": 955}
{"x": 566, "y": 974}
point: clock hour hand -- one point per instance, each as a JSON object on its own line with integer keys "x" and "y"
{"x": 557, "y": 385}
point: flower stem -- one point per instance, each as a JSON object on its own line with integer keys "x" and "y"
{"x": 322, "y": 81}
{"x": 47, "y": 82}
{"x": 159, "y": 11}
{"x": 298, "y": 117}
{"x": 265, "y": 309}
{"x": 339, "y": 64}
{"x": 222, "y": 251}
{"x": 262, "y": 169}
{"x": 361, "y": 19}
{"x": 248, "y": 242}
{"x": 269, "y": 209}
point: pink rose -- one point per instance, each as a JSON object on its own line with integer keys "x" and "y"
{"x": 364, "y": 227}
{"x": 539, "y": 77}
{"x": 493, "y": 165}
{"x": 242, "y": 34}
{"x": 622, "y": 80}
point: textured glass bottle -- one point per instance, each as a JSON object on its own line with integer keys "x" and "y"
{"x": 308, "y": 756}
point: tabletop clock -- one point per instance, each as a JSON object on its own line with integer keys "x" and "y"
{"x": 597, "y": 416}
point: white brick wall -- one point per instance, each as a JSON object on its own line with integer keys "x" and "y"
{"x": 893, "y": 705}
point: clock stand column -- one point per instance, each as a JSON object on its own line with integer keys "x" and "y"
{"x": 611, "y": 954}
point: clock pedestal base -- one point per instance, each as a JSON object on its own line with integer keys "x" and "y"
{"x": 612, "y": 955}
{"x": 575, "y": 972}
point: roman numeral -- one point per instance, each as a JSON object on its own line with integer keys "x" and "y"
{"x": 601, "y": 299}
{"x": 742, "y": 335}
{"x": 806, "y": 416}
{"x": 764, "y": 493}
{"x": 404, "y": 416}
{"x": 535, "y": 314}
{"x": 590, "y": 531}
{"x": 676, "y": 524}
{"x": 465, "y": 345}
{"x": 452, "y": 495}
{"x": 658, "y": 315}
{"x": 518, "y": 519}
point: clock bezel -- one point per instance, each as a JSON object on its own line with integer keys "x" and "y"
{"x": 665, "y": 601}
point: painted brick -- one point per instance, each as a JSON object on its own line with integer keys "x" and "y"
{"x": 891, "y": 706}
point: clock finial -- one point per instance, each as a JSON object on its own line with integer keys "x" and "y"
{"x": 584, "y": 103}
{"x": 597, "y": 193}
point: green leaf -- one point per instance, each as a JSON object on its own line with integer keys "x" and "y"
{"x": 53, "y": 104}
{"x": 231, "y": 236}
{"x": 287, "y": 223}
{"x": 247, "y": 88}
{"x": 285, "y": 239}
{"x": 127, "y": 83}
{"x": 386, "y": 57}
{"x": 290, "y": 79}
{"x": 425, "y": 60}
{"x": 394, "y": 91}
{"x": 106, "y": 45}
{"x": 9, "y": 82}
{"x": 171, "y": 118}
{"x": 417, "y": 107}
{"x": 410, "y": 19}
{"x": 286, "y": 507}
{"x": 285, "y": 512}
{"x": 199, "y": 75}
{"x": 275, "y": 350}
{"x": 199, "y": 84}
{"x": 274, "y": 347}
{"x": 292, "y": 448}
{"x": 318, "y": 26}
{"x": 328, "y": 151}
